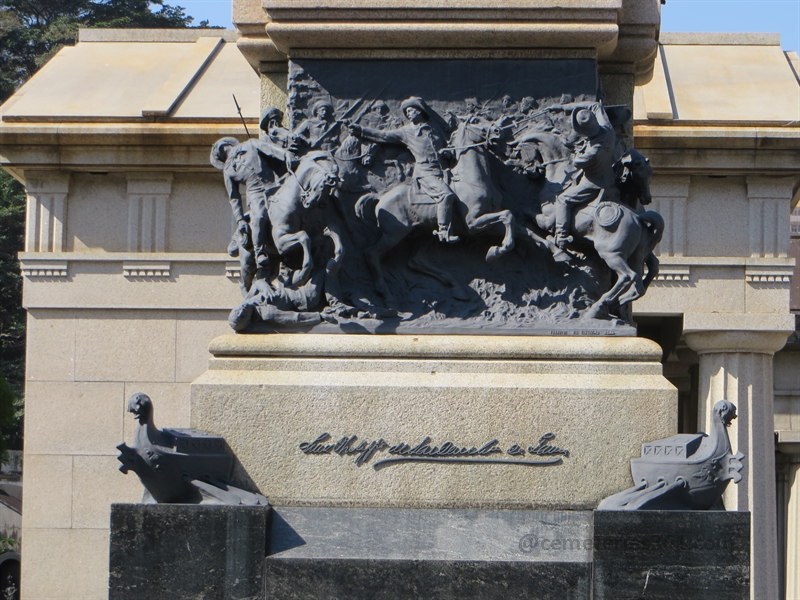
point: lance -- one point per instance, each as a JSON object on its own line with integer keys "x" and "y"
{"x": 239, "y": 110}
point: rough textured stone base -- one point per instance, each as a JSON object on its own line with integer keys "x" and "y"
{"x": 666, "y": 555}
{"x": 180, "y": 552}
{"x": 271, "y": 396}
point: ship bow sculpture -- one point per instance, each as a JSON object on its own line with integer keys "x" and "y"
{"x": 685, "y": 471}
{"x": 180, "y": 466}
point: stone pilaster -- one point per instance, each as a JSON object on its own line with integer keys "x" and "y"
{"x": 670, "y": 194}
{"x": 769, "y": 200}
{"x": 46, "y": 226}
{"x": 736, "y": 364}
{"x": 148, "y": 194}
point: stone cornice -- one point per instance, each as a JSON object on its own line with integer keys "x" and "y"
{"x": 755, "y": 340}
{"x": 621, "y": 33}
{"x": 88, "y": 146}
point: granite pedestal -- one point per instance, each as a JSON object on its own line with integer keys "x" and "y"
{"x": 295, "y": 409}
{"x": 305, "y": 553}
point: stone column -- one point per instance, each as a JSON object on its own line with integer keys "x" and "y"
{"x": 45, "y": 229}
{"x": 789, "y": 512}
{"x": 793, "y": 528}
{"x": 735, "y": 353}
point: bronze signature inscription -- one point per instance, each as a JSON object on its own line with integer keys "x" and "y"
{"x": 425, "y": 451}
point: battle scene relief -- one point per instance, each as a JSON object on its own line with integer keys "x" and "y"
{"x": 440, "y": 196}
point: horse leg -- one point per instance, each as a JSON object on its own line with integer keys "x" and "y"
{"x": 639, "y": 286}
{"x": 507, "y": 220}
{"x": 477, "y": 224}
{"x": 635, "y": 292}
{"x": 335, "y": 263}
{"x": 287, "y": 241}
{"x": 375, "y": 253}
{"x": 652, "y": 269}
{"x": 625, "y": 278}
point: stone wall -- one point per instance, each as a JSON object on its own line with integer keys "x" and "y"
{"x": 126, "y": 282}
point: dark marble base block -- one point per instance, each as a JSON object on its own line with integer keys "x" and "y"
{"x": 666, "y": 555}
{"x": 180, "y": 551}
{"x": 222, "y": 552}
{"x": 392, "y": 554}
{"x": 303, "y": 579}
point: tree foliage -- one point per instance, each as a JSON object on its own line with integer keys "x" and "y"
{"x": 12, "y": 315}
{"x": 32, "y": 31}
{"x": 10, "y": 419}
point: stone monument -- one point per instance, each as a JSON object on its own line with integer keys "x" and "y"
{"x": 436, "y": 376}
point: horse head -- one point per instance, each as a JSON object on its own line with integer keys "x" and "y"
{"x": 318, "y": 178}
{"x": 633, "y": 172}
{"x": 473, "y": 132}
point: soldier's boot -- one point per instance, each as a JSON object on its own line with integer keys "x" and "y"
{"x": 444, "y": 218}
{"x": 561, "y": 237}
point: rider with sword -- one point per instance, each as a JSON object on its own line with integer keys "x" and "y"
{"x": 428, "y": 146}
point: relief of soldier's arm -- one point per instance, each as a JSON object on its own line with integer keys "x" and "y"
{"x": 391, "y": 136}
{"x": 269, "y": 150}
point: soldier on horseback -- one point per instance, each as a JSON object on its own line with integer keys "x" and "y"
{"x": 595, "y": 159}
{"x": 426, "y": 143}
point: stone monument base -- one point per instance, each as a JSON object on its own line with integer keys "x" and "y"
{"x": 183, "y": 551}
{"x": 406, "y": 554}
{"x": 434, "y": 421}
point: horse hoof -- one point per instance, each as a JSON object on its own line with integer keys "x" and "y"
{"x": 493, "y": 254}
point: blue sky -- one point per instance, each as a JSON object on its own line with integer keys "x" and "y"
{"x": 769, "y": 16}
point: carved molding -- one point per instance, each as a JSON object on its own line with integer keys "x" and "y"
{"x": 146, "y": 268}
{"x": 44, "y": 269}
{"x": 619, "y": 31}
{"x": 673, "y": 274}
{"x": 233, "y": 270}
{"x": 758, "y": 274}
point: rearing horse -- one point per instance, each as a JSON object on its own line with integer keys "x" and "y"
{"x": 400, "y": 210}
{"x": 623, "y": 237}
{"x": 316, "y": 178}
